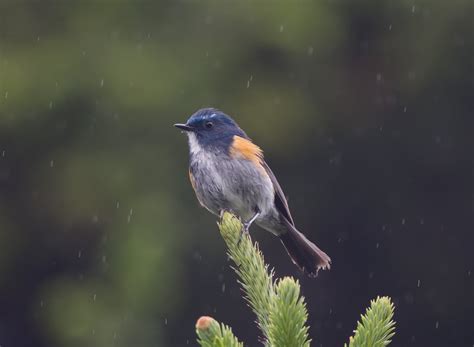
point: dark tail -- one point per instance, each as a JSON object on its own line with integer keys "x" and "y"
{"x": 305, "y": 254}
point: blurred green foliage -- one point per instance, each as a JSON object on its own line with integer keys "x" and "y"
{"x": 364, "y": 110}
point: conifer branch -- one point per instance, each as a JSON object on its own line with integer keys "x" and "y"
{"x": 255, "y": 277}
{"x": 376, "y": 327}
{"x": 212, "y": 334}
{"x": 280, "y": 308}
{"x": 288, "y": 316}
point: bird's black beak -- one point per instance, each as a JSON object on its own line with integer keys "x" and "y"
{"x": 184, "y": 127}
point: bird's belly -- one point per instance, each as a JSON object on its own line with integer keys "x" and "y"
{"x": 235, "y": 185}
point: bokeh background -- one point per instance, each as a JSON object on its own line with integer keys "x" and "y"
{"x": 364, "y": 110}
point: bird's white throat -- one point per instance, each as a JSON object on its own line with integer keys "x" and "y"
{"x": 194, "y": 146}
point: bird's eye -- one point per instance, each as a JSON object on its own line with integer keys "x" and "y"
{"x": 209, "y": 125}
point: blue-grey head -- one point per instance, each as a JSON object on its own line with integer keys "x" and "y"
{"x": 210, "y": 129}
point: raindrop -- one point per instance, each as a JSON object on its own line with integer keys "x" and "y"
{"x": 41, "y": 303}
{"x": 79, "y": 254}
{"x": 50, "y": 105}
{"x": 422, "y": 221}
{"x": 419, "y": 284}
{"x": 104, "y": 258}
{"x": 94, "y": 297}
{"x": 310, "y": 50}
{"x": 413, "y": 8}
{"x": 3, "y": 153}
{"x": 166, "y": 321}
{"x": 51, "y": 163}
{"x": 403, "y": 221}
{"x": 131, "y": 212}
{"x": 249, "y": 80}
{"x": 223, "y": 287}
{"x": 6, "y": 95}
{"x": 377, "y": 245}
{"x": 390, "y": 27}
{"x": 405, "y": 109}
{"x": 101, "y": 82}
{"x": 118, "y": 204}
{"x": 281, "y": 28}
{"x": 437, "y": 325}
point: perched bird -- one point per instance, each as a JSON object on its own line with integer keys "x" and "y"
{"x": 228, "y": 173}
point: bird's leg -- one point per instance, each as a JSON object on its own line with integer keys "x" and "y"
{"x": 247, "y": 225}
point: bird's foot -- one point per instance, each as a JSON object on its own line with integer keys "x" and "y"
{"x": 244, "y": 230}
{"x": 246, "y": 226}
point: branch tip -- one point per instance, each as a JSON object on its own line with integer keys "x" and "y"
{"x": 204, "y": 322}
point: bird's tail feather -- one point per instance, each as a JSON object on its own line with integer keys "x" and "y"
{"x": 305, "y": 254}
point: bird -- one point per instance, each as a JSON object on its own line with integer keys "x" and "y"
{"x": 228, "y": 172}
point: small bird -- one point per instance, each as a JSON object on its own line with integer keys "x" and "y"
{"x": 228, "y": 173}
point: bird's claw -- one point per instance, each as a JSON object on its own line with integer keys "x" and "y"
{"x": 244, "y": 230}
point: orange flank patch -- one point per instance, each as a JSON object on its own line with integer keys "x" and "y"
{"x": 243, "y": 148}
{"x": 193, "y": 183}
{"x": 191, "y": 178}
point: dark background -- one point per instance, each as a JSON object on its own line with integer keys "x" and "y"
{"x": 364, "y": 111}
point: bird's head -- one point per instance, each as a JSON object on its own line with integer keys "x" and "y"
{"x": 210, "y": 128}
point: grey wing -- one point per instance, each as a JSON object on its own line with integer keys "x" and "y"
{"x": 280, "y": 200}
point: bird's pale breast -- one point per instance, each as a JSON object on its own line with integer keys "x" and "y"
{"x": 231, "y": 180}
